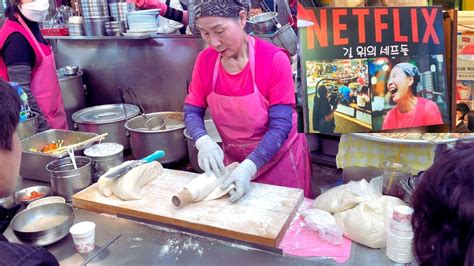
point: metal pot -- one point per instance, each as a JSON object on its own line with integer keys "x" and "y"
{"x": 65, "y": 180}
{"x": 29, "y": 127}
{"x": 192, "y": 150}
{"x": 108, "y": 118}
{"x": 104, "y": 156}
{"x": 73, "y": 92}
{"x": 286, "y": 38}
{"x": 263, "y": 23}
{"x": 170, "y": 138}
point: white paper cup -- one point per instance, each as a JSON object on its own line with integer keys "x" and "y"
{"x": 83, "y": 234}
{"x": 401, "y": 218}
{"x": 399, "y": 249}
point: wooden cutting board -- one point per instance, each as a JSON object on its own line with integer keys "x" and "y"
{"x": 261, "y": 216}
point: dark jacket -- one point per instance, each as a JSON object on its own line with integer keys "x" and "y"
{"x": 12, "y": 254}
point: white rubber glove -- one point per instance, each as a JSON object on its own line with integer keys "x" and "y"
{"x": 241, "y": 177}
{"x": 210, "y": 156}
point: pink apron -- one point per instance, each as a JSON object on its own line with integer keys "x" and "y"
{"x": 44, "y": 83}
{"x": 243, "y": 120}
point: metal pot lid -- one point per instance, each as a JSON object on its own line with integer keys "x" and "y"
{"x": 108, "y": 113}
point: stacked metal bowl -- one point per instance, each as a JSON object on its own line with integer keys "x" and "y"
{"x": 76, "y": 26}
{"x": 114, "y": 28}
{"x": 119, "y": 11}
{"x": 95, "y": 13}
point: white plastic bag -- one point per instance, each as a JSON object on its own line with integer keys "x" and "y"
{"x": 365, "y": 224}
{"x": 345, "y": 197}
{"x": 324, "y": 223}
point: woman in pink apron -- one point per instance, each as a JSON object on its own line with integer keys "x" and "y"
{"x": 247, "y": 85}
{"x": 29, "y": 60}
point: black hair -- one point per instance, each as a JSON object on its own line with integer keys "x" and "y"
{"x": 443, "y": 203}
{"x": 470, "y": 121}
{"x": 9, "y": 114}
{"x": 463, "y": 108}
{"x": 322, "y": 91}
{"x": 12, "y": 8}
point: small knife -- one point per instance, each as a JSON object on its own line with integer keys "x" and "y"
{"x": 123, "y": 170}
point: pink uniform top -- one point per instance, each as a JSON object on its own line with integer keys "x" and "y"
{"x": 425, "y": 113}
{"x": 273, "y": 83}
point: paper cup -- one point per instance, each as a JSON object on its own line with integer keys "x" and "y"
{"x": 401, "y": 218}
{"x": 399, "y": 249}
{"x": 83, "y": 235}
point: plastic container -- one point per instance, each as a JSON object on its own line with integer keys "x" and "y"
{"x": 394, "y": 171}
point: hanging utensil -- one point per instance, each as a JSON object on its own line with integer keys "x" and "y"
{"x": 70, "y": 151}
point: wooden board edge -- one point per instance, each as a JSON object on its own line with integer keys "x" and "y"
{"x": 289, "y": 220}
{"x": 113, "y": 210}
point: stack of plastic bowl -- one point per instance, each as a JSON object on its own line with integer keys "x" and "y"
{"x": 119, "y": 11}
{"x": 76, "y": 26}
{"x": 96, "y": 13}
{"x": 114, "y": 28}
{"x": 143, "y": 20}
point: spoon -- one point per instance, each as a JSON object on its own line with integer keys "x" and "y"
{"x": 70, "y": 151}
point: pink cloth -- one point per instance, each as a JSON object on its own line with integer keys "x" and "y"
{"x": 44, "y": 82}
{"x": 242, "y": 121}
{"x": 302, "y": 241}
{"x": 273, "y": 80}
{"x": 425, "y": 113}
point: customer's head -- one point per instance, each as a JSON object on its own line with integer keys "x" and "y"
{"x": 402, "y": 82}
{"x": 443, "y": 220}
{"x": 469, "y": 120}
{"x": 461, "y": 110}
{"x": 222, "y": 24}
{"x": 10, "y": 145}
{"x": 322, "y": 92}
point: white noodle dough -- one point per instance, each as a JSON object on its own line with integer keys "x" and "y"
{"x": 205, "y": 187}
{"x": 128, "y": 186}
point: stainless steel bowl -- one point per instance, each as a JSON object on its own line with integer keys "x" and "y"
{"x": 43, "y": 225}
{"x": 71, "y": 70}
{"x": 21, "y": 194}
{"x": 263, "y": 23}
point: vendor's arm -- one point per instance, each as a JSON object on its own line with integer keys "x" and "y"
{"x": 210, "y": 154}
{"x": 20, "y": 58}
{"x": 165, "y": 11}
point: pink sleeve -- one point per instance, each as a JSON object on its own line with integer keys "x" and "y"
{"x": 197, "y": 92}
{"x": 282, "y": 87}
{"x": 432, "y": 114}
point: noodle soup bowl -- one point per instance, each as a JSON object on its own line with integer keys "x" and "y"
{"x": 43, "y": 225}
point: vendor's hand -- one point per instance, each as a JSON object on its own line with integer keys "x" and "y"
{"x": 210, "y": 156}
{"x": 241, "y": 177}
{"x": 151, "y": 4}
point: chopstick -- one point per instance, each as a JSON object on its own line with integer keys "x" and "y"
{"x": 73, "y": 146}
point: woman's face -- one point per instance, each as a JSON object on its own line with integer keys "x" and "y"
{"x": 225, "y": 35}
{"x": 399, "y": 84}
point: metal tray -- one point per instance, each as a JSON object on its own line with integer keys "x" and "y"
{"x": 450, "y": 139}
{"x": 33, "y": 164}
